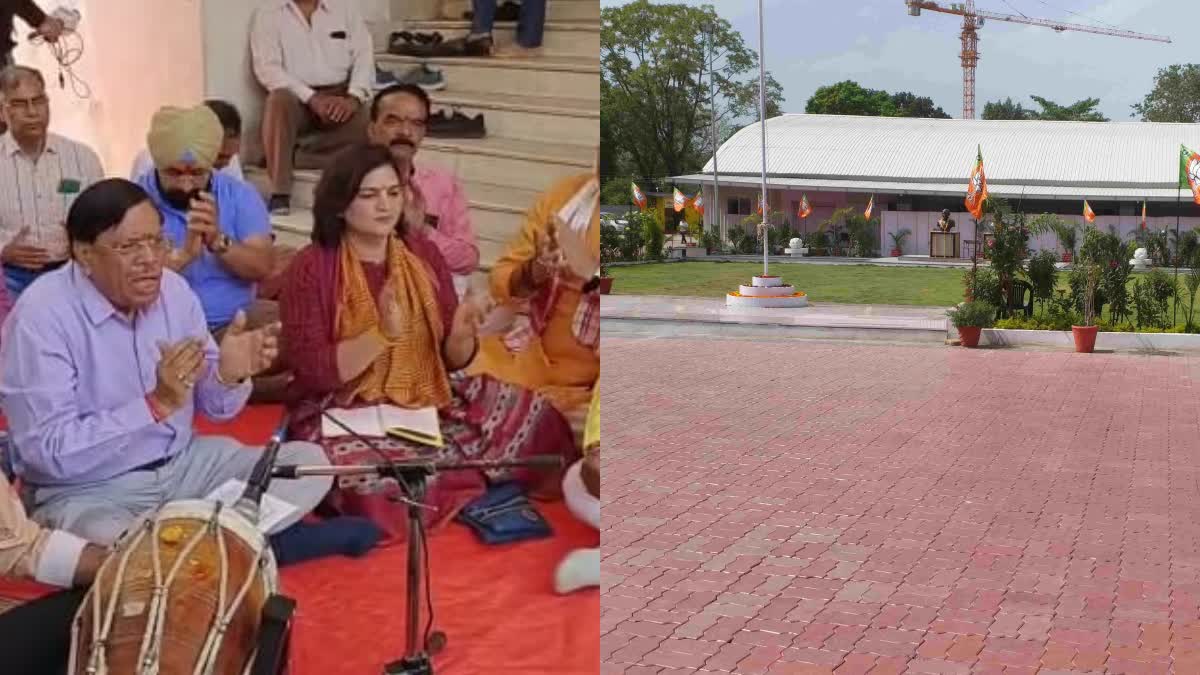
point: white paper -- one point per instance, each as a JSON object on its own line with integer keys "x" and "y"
{"x": 422, "y": 420}
{"x": 271, "y": 511}
{"x": 364, "y": 421}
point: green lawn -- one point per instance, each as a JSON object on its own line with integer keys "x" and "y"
{"x": 853, "y": 284}
{"x": 858, "y": 284}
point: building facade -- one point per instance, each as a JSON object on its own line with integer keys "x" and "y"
{"x": 914, "y": 168}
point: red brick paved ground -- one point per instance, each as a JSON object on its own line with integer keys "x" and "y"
{"x": 808, "y": 507}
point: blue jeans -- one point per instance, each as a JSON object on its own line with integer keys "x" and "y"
{"x": 530, "y": 24}
{"x": 17, "y": 279}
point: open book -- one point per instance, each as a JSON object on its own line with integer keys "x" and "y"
{"x": 419, "y": 425}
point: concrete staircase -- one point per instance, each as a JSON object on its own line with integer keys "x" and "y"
{"x": 542, "y": 117}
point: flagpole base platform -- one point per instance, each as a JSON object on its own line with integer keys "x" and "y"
{"x": 766, "y": 291}
{"x": 796, "y": 299}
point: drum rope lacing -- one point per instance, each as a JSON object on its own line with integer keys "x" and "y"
{"x": 149, "y": 656}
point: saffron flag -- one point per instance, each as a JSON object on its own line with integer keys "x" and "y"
{"x": 1088, "y": 214}
{"x": 1143, "y": 214}
{"x": 805, "y": 210}
{"x": 698, "y": 202}
{"x": 760, "y": 204}
{"x": 639, "y": 197}
{"x": 870, "y": 208}
{"x": 1189, "y": 171}
{"x": 680, "y": 201}
{"x": 977, "y": 192}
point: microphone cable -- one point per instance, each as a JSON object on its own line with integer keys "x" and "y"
{"x": 405, "y": 487}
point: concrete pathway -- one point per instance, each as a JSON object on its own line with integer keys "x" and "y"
{"x": 818, "y": 319}
{"x": 864, "y": 508}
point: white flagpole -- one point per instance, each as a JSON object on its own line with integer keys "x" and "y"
{"x": 762, "y": 123}
{"x": 718, "y": 215}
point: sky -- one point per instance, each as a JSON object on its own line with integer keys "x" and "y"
{"x": 877, "y": 44}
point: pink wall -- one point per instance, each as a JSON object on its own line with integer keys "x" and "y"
{"x": 138, "y": 56}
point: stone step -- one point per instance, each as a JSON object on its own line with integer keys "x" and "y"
{"x": 528, "y": 165}
{"x": 500, "y": 170}
{"x": 535, "y": 118}
{"x": 495, "y": 226}
{"x": 580, "y": 38}
{"x": 556, "y": 10}
{"x": 574, "y": 77}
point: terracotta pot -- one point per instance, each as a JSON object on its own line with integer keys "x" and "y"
{"x": 605, "y": 285}
{"x": 896, "y": 253}
{"x": 969, "y": 335}
{"x": 1085, "y": 338}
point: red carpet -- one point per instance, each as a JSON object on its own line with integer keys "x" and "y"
{"x": 495, "y": 604}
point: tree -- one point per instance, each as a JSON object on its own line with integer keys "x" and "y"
{"x": 908, "y": 104}
{"x": 1079, "y": 111}
{"x": 850, "y": 98}
{"x": 654, "y": 98}
{"x": 1175, "y": 96}
{"x": 1006, "y": 110}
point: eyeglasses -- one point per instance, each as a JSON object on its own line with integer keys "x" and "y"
{"x": 152, "y": 246}
{"x": 27, "y": 104}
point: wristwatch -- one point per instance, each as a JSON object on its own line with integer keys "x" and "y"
{"x": 221, "y": 244}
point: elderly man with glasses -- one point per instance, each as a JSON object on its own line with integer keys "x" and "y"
{"x": 107, "y": 360}
{"x": 40, "y": 175}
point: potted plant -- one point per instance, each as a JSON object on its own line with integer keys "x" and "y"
{"x": 1085, "y": 335}
{"x": 970, "y": 318}
{"x": 898, "y": 238}
{"x": 606, "y": 281}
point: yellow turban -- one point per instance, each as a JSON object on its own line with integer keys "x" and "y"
{"x": 191, "y": 135}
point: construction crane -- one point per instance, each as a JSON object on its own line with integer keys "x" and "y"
{"x": 973, "y": 21}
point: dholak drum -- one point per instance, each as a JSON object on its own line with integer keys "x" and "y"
{"x": 182, "y": 593}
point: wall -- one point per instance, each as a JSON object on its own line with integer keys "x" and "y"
{"x": 227, "y": 70}
{"x": 138, "y": 56}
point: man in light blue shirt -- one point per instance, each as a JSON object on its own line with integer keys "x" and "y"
{"x": 227, "y": 160}
{"x": 218, "y": 225}
{"x": 105, "y": 363}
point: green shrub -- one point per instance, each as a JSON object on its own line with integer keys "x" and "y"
{"x": 973, "y": 314}
{"x": 983, "y": 284}
{"x": 653, "y": 235}
{"x": 1043, "y": 275}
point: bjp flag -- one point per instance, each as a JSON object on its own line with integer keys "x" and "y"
{"x": 977, "y": 192}
{"x": 805, "y": 209}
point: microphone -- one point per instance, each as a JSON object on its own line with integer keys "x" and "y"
{"x": 260, "y": 478}
{"x": 397, "y": 468}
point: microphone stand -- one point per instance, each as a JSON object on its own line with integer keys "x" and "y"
{"x": 412, "y": 476}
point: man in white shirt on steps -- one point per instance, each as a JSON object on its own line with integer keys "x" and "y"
{"x": 316, "y": 59}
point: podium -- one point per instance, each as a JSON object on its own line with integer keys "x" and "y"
{"x": 943, "y": 244}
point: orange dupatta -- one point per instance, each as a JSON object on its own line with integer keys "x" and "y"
{"x": 410, "y": 372}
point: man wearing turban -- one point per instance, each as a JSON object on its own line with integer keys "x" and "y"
{"x": 218, "y": 226}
